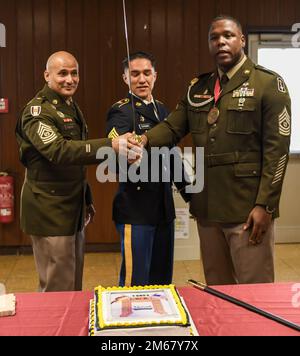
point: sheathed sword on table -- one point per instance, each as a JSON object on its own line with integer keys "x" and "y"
{"x": 228, "y": 298}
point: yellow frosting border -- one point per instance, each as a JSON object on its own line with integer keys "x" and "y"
{"x": 182, "y": 312}
{"x": 92, "y": 318}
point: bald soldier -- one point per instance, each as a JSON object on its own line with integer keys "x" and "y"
{"x": 241, "y": 115}
{"x": 56, "y": 201}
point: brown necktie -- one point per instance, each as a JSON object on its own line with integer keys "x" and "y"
{"x": 224, "y": 80}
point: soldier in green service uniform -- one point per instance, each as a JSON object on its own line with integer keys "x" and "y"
{"x": 241, "y": 115}
{"x": 56, "y": 201}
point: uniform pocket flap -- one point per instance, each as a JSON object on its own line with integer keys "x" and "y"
{"x": 247, "y": 170}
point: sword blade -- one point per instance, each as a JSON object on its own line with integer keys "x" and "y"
{"x": 128, "y": 59}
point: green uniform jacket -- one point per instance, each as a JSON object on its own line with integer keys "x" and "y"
{"x": 246, "y": 150}
{"x": 52, "y": 138}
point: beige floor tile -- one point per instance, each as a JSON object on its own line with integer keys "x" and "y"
{"x": 294, "y": 263}
{"x": 100, "y": 272}
{"x": 287, "y": 251}
{"x": 100, "y": 259}
{"x": 24, "y": 267}
{"x": 7, "y": 264}
{"x": 118, "y": 259}
{"x": 284, "y": 273}
{"x": 91, "y": 282}
{"x": 8, "y": 260}
{"x": 4, "y": 273}
{"x": 180, "y": 282}
{"x": 19, "y": 273}
{"x": 19, "y": 285}
{"x": 287, "y": 275}
{"x": 195, "y": 269}
{"x": 180, "y": 268}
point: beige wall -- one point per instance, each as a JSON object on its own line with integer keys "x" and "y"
{"x": 288, "y": 225}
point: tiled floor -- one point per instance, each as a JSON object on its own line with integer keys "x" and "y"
{"x": 19, "y": 275}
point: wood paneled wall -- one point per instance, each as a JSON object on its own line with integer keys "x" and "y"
{"x": 175, "y": 31}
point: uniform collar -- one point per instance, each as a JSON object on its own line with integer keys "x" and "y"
{"x": 142, "y": 106}
{"x": 243, "y": 75}
{"x": 233, "y": 70}
{"x": 146, "y": 102}
{"x": 53, "y": 97}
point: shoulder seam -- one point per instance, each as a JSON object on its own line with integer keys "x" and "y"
{"x": 266, "y": 70}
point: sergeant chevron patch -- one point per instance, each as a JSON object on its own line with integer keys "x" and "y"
{"x": 46, "y": 133}
{"x": 280, "y": 170}
{"x": 285, "y": 123}
{"x": 113, "y": 133}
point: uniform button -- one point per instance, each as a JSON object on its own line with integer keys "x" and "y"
{"x": 212, "y": 140}
{"x": 52, "y": 191}
{"x": 254, "y": 172}
{"x": 214, "y": 126}
{"x": 138, "y": 188}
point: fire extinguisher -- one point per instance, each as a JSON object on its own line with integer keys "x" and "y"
{"x": 6, "y": 198}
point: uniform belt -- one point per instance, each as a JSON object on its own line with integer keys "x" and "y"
{"x": 232, "y": 158}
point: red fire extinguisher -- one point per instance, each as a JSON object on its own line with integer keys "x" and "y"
{"x": 6, "y": 198}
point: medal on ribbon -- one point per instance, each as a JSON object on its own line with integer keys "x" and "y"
{"x": 214, "y": 113}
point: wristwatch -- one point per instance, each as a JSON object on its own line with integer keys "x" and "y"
{"x": 270, "y": 210}
{"x": 267, "y": 209}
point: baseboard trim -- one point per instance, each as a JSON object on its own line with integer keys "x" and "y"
{"x": 90, "y": 248}
{"x": 287, "y": 234}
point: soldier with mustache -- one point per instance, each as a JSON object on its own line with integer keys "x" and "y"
{"x": 56, "y": 200}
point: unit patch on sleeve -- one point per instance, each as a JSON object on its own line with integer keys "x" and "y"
{"x": 35, "y": 110}
{"x": 285, "y": 123}
{"x": 46, "y": 133}
{"x": 281, "y": 85}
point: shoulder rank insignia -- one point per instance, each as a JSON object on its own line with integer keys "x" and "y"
{"x": 35, "y": 110}
{"x": 46, "y": 133}
{"x": 122, "y": 102}
{"x": 194, "y": 81}
{"x": 60, "y": 114}
{"x": 113, "y": 133}
{"x": 284, "y": 123}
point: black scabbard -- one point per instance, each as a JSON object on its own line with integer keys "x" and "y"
{"x": 244, "y": 305}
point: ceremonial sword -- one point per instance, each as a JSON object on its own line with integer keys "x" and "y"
{"x": 128, "y": 59}
{"x": 244, "y": 305}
